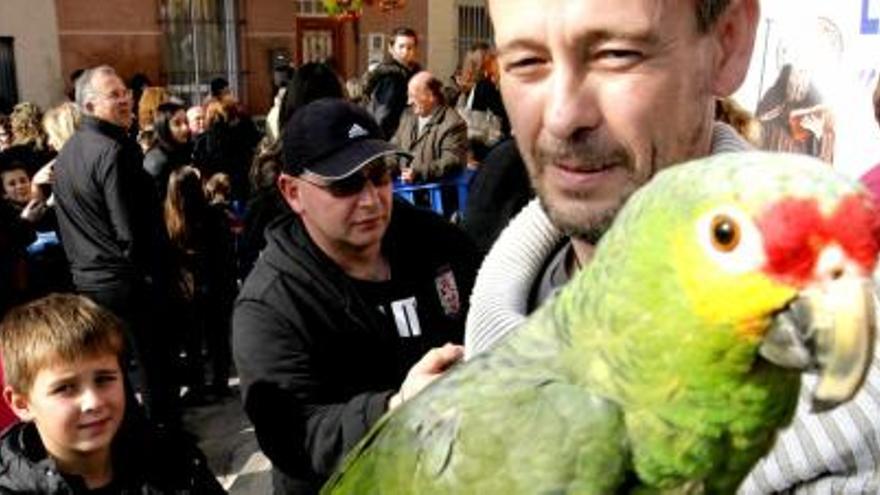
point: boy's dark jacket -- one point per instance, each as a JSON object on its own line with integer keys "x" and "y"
{"x": 143, "y": 464}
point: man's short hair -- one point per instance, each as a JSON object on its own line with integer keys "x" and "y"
{"x": 59, "y": 328}
{"x": 84, "y": 91}
{"x": 708, "y": 11}
{"x": 436, "y": 88}
{"x": 404, "y": 32}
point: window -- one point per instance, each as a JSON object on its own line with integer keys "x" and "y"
{"x": 310, "y": 8}
{"x": 201, "y": 43}
{"x": 8, "y": 84}
{"x": 375, "y": 48}
{"x": 473, "y": 25}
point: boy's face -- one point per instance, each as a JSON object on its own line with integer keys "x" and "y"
{"x": 77, "y": 407}
{"x": 16, "y": 186}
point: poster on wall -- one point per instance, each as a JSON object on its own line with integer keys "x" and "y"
{"x": 811, "y": 79}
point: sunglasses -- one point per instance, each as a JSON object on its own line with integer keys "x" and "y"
{"x": 377, "y": 172}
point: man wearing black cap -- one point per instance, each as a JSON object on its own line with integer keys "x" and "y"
{"x": 349, "y": 310}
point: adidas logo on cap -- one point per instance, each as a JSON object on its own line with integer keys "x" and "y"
{"x": 357, "y": 131}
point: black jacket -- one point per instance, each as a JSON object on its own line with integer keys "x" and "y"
{"x": 386, "y": 92}
{"x": 144, "y": 463}
{"x": 498, "y": 191}
{"x": 317, "y": 367}
{"x": 228, "y": 147}
{"x": 108, "y": 210}
{"x": 160, "y": 161}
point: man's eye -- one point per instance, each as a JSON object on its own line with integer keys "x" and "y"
{"x": 524, "y": 64}
{"x": 618, "y": 58}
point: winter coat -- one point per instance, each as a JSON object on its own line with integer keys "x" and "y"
{"x": 317, "y": 365}
{"x": 440, "y": 149}
{"x": 145, "y": 462}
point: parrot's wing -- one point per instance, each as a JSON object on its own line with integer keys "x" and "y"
{"x": 525, "y": 434}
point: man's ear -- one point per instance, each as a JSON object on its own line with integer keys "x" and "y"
{"x": 734, "y": 32}
{"x": 18, "y": 403}
{"x": 289, "y": 187}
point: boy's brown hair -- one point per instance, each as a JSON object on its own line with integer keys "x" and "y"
{"x": 57, "y": 328}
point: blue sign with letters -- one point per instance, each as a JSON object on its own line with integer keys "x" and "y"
{"x": 870, "y": 25}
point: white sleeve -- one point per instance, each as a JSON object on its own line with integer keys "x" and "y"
{"x": 499, "y": 302}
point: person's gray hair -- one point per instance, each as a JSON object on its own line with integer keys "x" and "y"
{"x": 83, "y": 89}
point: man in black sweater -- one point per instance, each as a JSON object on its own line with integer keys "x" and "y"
{"x": 112, "y": 230}
{"x": 386, "y": 85}
{"x": 353, "y": 306}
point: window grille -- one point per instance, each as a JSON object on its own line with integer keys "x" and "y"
{"x": 201, "y": 43}
{"x": 473, "y": 25}
{"x": 8, "y": 84}
{"x": 313, "y": 8}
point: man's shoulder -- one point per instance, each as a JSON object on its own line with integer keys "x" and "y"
{"x": 426, "y": 232}
{"x": 451, "y": 118}
{"x": 284, "y": 267}
{"x": 88, "y": 142}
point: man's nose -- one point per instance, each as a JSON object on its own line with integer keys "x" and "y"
{"x": 369, "y": 195}
{"x": 571, "y": 105}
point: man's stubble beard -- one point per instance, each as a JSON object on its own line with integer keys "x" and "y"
{"x": 576, "y": 219}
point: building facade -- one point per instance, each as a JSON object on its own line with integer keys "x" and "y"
{"x": 184, "y": 44}
{"x": 30, "y": 56}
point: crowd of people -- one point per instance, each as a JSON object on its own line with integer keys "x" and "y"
{"x": 200, "y": 245}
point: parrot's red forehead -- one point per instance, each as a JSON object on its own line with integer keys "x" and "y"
{"x": 795, "y": 231}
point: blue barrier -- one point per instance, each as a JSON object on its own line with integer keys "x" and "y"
{"x": 461, "y": 182}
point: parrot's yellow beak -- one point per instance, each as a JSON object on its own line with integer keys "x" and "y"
{"x": 829, "y": 328}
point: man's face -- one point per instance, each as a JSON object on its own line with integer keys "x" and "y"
{"x": 113, "y": 102}
{"x": 195, "y": 117}
{"x": 76, "y": 407}
{"x": 420, "y": 98}
{"x": 16, "y": 186}
{"x": 347, "y": 221}
{"x": 403, "y": 49}
{"x": 601, "y": 94}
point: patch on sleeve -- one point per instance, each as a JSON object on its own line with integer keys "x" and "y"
{"x": 447, "y": 291}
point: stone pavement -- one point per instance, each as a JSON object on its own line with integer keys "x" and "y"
{"x": 227, "y": 439}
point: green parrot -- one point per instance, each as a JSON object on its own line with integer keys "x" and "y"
{"x": 670, "y": 361}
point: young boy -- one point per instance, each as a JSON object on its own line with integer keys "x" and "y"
{"x": 63, "y": 380}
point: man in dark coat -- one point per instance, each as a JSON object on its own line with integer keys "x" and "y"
{"x": 352, "y": 307}
{"x": 113, "y": 233}
{"x": 386, "y": 84}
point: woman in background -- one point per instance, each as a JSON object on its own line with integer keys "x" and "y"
{"x": 172, "y": 149}
{"x": 206, "y": 281}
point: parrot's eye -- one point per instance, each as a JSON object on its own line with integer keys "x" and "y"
{"x": 731, "y": 239}
{"x": 725, "y": 233}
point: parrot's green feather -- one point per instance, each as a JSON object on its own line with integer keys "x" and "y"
{"x": 629, "y": 379}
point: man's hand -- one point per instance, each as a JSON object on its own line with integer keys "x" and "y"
{"x": 432, "y": 365}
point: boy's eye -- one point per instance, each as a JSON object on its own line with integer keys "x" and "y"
{"x": 106, "y": 378}
{"x": 64, "y": 389}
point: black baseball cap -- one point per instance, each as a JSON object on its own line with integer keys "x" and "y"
{"x": 332, "y": 138}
